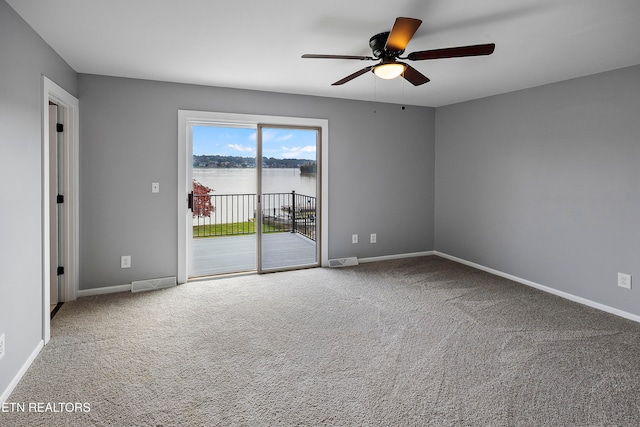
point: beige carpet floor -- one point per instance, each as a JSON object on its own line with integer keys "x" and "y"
{"x": 411, "y": 342}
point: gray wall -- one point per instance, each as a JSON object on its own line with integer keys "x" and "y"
{"x": 24, "y": 58}
{"x": 381, "y": 172}
{"x": 544, "y": 184}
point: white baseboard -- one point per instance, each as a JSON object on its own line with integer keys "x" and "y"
{"x": 105, "y": 290}
{"x": 562, "y": 294}
{"x": 23, "y": 370}
{"x": 397, "y": 256}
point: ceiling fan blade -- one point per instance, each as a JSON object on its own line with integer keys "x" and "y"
{"x": 414, "y": 76}
{"x": 315, "y": 56}
{"x": 401, "y": 33}
{"x": 353, "y": 76}
{"x": 453, "y": 52}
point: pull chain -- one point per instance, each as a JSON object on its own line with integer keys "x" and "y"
{"x": 375, "y": 94}
{"x": 403, "y": 98}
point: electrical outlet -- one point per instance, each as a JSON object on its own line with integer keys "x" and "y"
{"x": 1, "y": 346}
{"x": 354, "y": 238}
{"x": 125, "y": 261}
{"x": 624, "y": 280}
{"x": 374, "y": 238}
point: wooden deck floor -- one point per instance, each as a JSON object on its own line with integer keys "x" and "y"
{"x": 220, "y": 255}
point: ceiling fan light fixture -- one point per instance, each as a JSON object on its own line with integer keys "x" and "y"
{"x": 388, "y": 46}
{"x": 389, "y": 71}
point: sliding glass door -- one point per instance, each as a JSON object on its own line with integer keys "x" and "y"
{"x": 289, "y": 197}
{"x": 254, "y": 198}
{"x": 224, "y": 203}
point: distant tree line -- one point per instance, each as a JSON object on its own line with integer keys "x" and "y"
{"x": 211, "y": 161}
{"x": 310, "y": 167}
{"x": 216, "y": 161}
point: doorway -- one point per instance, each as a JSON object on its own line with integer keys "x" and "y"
{"x": 254, "y": 201}
{"x": 56, "y": 204}
{"x": 60, "y": 132}
{"x": 275, "y": 209}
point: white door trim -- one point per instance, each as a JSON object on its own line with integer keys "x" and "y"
{"x": 188, "y": 118}
{"x": 70, "y": 114}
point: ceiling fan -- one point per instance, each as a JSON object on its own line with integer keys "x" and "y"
{"x": 388, "y": 46}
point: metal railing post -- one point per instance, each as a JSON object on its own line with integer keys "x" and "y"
{"x": 293, "y": 211}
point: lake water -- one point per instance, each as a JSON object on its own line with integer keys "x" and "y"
{"x": 243, "y": 181}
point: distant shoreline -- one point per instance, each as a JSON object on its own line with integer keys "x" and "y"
{"x": 207, "y": 161}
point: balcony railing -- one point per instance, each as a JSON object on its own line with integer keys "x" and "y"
{"x": 235, "y": 214}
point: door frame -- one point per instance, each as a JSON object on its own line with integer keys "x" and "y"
{"x": 188, "y": 118}
{"x": 69, "y": 112}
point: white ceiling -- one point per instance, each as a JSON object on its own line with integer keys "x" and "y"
{"x": 257, "y": 44}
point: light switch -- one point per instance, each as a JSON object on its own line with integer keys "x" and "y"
{"x": 155, "y": 187}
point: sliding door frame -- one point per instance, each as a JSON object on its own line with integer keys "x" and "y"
{"x": 189, "y": 118}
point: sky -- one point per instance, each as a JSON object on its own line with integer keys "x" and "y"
{"x": 277, "y": 143}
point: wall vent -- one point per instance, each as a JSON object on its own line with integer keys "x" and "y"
{"x": 151, "y": 284}
{"x": 343, "y": 262}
